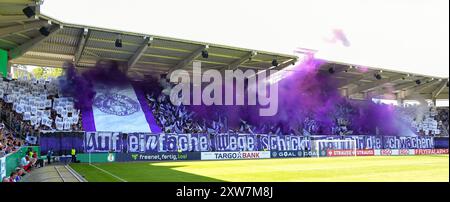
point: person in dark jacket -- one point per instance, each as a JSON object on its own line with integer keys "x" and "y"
{"x": 49, "y": 155}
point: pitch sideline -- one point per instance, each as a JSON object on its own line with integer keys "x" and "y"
{"x": 115, "y": 176}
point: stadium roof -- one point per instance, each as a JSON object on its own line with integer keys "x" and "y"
{"x": 144, "y": 53}
{"x": 85, "y": 45}
{"x": 361, "y": 82}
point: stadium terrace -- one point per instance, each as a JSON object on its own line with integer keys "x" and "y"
{"x": 87, "y": 101}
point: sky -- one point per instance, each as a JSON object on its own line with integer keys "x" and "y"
{"x": 403, "y": 35}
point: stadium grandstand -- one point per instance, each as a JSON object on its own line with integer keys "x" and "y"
{"x": 44, "y": 126}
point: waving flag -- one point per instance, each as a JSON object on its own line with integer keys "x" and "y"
{"x": 119, "y": 109}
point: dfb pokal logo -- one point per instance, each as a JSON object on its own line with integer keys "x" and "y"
{"x": 116, "y": 104}
{"x": 111, "y": 157}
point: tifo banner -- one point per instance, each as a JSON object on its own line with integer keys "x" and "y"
{"x": 247, "y": 142}
{"x": 148, "y": 142}
{"x": 103, "y": 142}
{"x": 401, "y": 142}
{"x": 366, "y": 142}
{"x": 385, "y": 142}
{"x": 160, "y": 156}
{"x": 235, "y": 155}
{"x": 142, "y": 143}
{"x": 118, "y": 109}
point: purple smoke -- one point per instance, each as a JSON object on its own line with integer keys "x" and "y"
{"x": 80, "y": 85}
{"x": 72, "y": 84}
{"x": 308, "y": 99}
{"x": 308, "y": 94}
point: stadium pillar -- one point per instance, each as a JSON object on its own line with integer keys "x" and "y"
{"x": 401, "y": 102}
{"x": 344, "y": 92}
{"x": 10, "y": 69}
{"x": 367, "y": 95}
{"x": 399, "y": 99}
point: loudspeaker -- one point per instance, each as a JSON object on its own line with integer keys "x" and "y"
{"x": 275, "y": 63}
{"x": 44, "y": 31}
{"x": 205, "y": 54}
{"x": 29, "y": 11}
{"x": 118, "y": 43}
{"x": 331, "y": 70}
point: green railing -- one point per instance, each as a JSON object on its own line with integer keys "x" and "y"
{"x": 12, "y": 161}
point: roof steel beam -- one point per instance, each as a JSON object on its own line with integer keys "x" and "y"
{"x": 5, "y": 31}
{"x": 194, "y": 55}
{"x": 375, "y": 84}
{"x": 285, "y": 64}
{"x": 81, "y": 45}
{"x": 12, "y": 18}
{"x": 406, "y": 85}
{"x": 22, "y": 49}
{"x": 439, "y": 89}
{"x": 338, "y": 70}
{"x": 355, "y": 79}
{"x": 281, "y": 67}
{"x": 241, "y": 61}
{"x": 140, "y": 51}
{"x": 417, "y": 89}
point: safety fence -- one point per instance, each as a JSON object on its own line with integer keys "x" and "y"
{"x": 102, "y": 142}
{"x": 12, "y": 161}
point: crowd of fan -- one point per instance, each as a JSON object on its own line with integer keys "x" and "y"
{"x": 442, "y": 117}
{"x": 28, "y": 162}
{"x": 15, "y": 122}
{"x": 171, "y": 118}
{"x": 426, "y": 120}
{"x": 29, "y": 105}
{"x": 178, "y": 119}
{"x": 24, "y": 97}
{"x": 9, "y": 143}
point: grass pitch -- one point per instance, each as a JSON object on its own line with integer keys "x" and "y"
{"x": 338, "y": 169}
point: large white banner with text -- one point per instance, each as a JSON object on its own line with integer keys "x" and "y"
{"x": 118, "y": 109}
